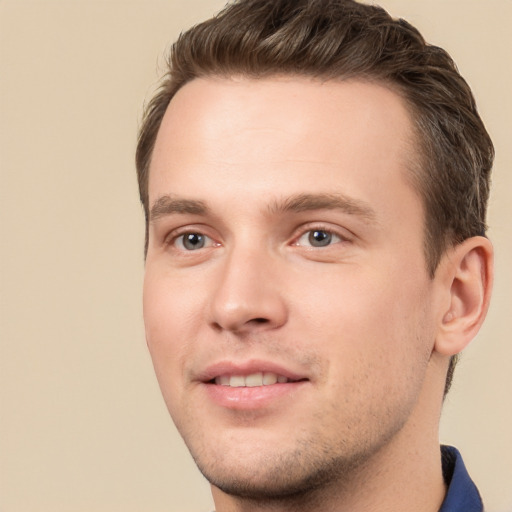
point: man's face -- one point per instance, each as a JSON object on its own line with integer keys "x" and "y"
{"x": 287, "y": 305}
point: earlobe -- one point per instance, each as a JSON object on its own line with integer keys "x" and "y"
{"x": 468, "y": 276}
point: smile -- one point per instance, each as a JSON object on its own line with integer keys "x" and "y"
{"x": 252, "y": 380}
{"x": 251, "y": 385}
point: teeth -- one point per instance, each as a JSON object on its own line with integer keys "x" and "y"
{"x": 270, "y": 378}
{"x": 252, "y": 380}
{"x": 223, "y": 380}
{"x": 237, "y": 381}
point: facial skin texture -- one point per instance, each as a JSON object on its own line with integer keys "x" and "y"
{"x": 255, "y": 166}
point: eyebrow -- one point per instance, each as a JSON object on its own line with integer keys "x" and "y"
{"x": 306, "y": 202}
{"x": 168, "y": 205}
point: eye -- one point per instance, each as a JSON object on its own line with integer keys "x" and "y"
{"x": 192, "y": 241}
{"x": 318, "y": 238}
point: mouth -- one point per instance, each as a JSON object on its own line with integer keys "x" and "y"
{"x": 252, "y": 385}
{"x": 252, "y": 380}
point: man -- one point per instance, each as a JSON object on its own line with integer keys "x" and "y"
{"x": 315, "y": 180}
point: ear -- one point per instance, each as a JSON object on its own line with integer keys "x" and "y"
{"x": 466, "y": 276}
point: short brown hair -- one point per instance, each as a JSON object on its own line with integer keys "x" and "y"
{"x": 343, "y": 39}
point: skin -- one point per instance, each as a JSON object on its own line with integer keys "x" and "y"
{"x": 254, "y": 167}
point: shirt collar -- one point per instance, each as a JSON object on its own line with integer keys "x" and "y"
{"x": 462, "y": 494}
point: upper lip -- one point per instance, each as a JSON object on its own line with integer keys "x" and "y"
{"x": 246, "y": 368}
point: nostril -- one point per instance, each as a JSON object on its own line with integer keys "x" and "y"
{"x": 260, "y": 320}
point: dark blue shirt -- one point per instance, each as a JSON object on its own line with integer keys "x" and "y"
{"x": 462, "y": 494}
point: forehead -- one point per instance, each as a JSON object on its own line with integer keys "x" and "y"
{"x": 281, "y": 134}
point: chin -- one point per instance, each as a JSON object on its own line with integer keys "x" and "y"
{"x": 275, "y": 476}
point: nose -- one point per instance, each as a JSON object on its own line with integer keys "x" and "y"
{"x": 249, "y": 294}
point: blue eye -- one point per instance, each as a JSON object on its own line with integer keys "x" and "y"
{"x": 318, "y": 238}
{"x": 192, "y": 241}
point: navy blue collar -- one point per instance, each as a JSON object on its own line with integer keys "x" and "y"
{"x": 462, "y": 494}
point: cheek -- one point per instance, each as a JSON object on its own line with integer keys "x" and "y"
{"x": 166, "y": 326}
{"x": 369, "y": 323}
{"x": 171, "y": 306}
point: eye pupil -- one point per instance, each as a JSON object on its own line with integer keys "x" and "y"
{"x": 319, "y": 238}
{"x": 192, "y": 241}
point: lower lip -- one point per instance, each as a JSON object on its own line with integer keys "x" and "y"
{"x": 251, "y": 398}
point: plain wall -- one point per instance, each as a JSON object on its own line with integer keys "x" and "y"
{"x": 82, "y": 423}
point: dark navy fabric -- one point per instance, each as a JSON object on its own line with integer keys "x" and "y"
{"x": 462, "y": 494}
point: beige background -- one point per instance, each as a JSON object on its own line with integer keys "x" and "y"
{"x": 82, "y": 423}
